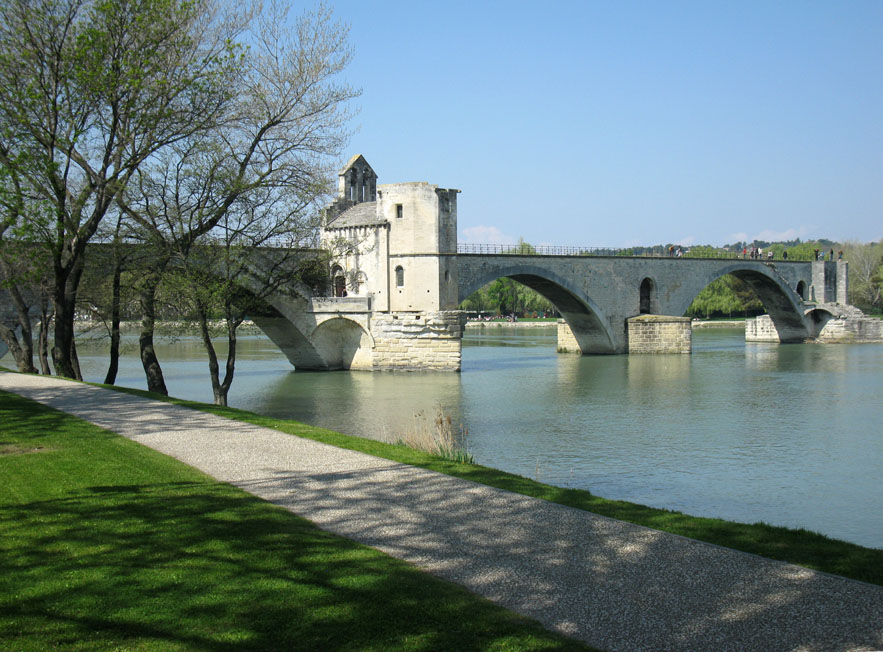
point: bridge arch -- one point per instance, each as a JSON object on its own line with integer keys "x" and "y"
{"x": 342, "y": 343}
{"x": 587, "y": 321}
{"x": 816, "y": 319}
{"x": 781, "y": 301}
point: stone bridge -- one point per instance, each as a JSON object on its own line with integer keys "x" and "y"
{"x": 597, "y": 295}
{"x": 396, "y": 279}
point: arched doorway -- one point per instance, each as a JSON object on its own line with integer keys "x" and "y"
{"x": 801, "y": 290}
{"x": 338, "y": 281}
{"x": 646, "y": 301}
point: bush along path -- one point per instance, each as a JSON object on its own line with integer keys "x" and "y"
{"x": 611, "y": 584}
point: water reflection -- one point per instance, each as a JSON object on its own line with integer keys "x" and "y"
{"x": 376, "y": 405}
{"x": 788, "y": 434}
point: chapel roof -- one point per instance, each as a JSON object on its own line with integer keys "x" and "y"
{"x": 362, "y": 214}
{"x": 352, "y": 162}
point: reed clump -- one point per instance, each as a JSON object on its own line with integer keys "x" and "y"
{"x": 437, "y": 435}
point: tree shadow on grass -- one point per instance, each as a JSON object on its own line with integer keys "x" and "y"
{"x": 202, "y": 566}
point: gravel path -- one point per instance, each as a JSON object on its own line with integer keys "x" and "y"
{"x": 614, "y": 585}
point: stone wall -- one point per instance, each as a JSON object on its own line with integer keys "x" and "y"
{"x": 428, "y": 341}
{"x": 566, "y": 341}
{"x": 861, "y": 329}
{"x": 660, "y": 334}
{"x": 761, "y": 329}
{"x": 849, "y": 326}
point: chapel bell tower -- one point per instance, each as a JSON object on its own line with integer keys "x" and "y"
{"x": 357, "y": 181}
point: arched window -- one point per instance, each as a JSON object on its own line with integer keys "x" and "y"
{"x": 801, "y": 290}
{"x": 400, "y": 277}
{"x": 338, "y": 281}
{"x": 646, "y": 296}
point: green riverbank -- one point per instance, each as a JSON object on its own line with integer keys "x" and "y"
{"x": 800, "y": 546}
{"x": 109, "y": 545}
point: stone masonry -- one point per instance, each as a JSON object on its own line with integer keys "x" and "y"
{"x": 761, "y": 329}
{"x": 414, "y": 341}
{"x": 566, "y": 341}
{"x": 660, "y": 334}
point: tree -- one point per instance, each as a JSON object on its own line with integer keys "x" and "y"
{"x": 231, "y": 274}
{"x": 726, "y": 295}
{"x": 865, "y": 269}
{"x": 503, "y": 294}
{"x": 286, "y": 121}
{"x": 23, "y": 265}
{"x": 107, "y": 288}
{"x": 91, "y": 90}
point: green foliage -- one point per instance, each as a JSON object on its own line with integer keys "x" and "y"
{"x": 525, "y": 248}
{"x": 505, "y": 296}
{"x": 725, "y": 296}
{"x": 865, "y": 274}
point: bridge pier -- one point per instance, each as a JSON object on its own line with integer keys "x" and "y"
{"x": 429, "y": 341}
{"x": 660, "y": 334}
{"x": 825, "y": 322}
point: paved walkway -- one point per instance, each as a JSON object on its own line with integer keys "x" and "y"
{"x": 614, "y": 585}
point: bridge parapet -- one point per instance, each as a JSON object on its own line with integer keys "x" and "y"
{"x": 340, "y": 304}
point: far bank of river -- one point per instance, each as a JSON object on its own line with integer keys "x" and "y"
{"x": 787, "y": 434}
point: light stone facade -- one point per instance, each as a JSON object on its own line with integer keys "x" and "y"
{"x": 566, "y": 341}
{"x": 417, "y": 341}
{"x": 660, "y": 334}
{"x": 863, "y": 329}
{"x": 395, "y": 246}
{"x": 761, "y": 329}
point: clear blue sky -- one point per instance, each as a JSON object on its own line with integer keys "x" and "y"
{"x": 620, "y": 123}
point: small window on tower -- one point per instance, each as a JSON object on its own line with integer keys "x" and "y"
{"x": 400, "y": 276}
{"x": 398, "y": 210}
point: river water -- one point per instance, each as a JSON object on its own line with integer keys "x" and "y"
{"x": 788, "y": 434}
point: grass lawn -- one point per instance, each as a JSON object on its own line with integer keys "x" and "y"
{"x": 796, "y": 546}
{"x": 108, "y": 545}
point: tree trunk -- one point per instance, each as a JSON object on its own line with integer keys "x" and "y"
{"x": 65, "y": 299}
{"x": 43, "y": 338}
{"x": 153, "y": 371}
{"x": 27, "y": 341}
{"x": 219, "y": 395}
{"x": 75, "y": 360}
{"x": 64, "y": 337}
{"x": 113, "y": 367}
{"x": 9, "y": 337}
{"x": 233, "y": 321}
{"x": 24, "y": 350}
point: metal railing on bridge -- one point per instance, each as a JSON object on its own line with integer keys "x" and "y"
{"x": 640, "y": 252}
